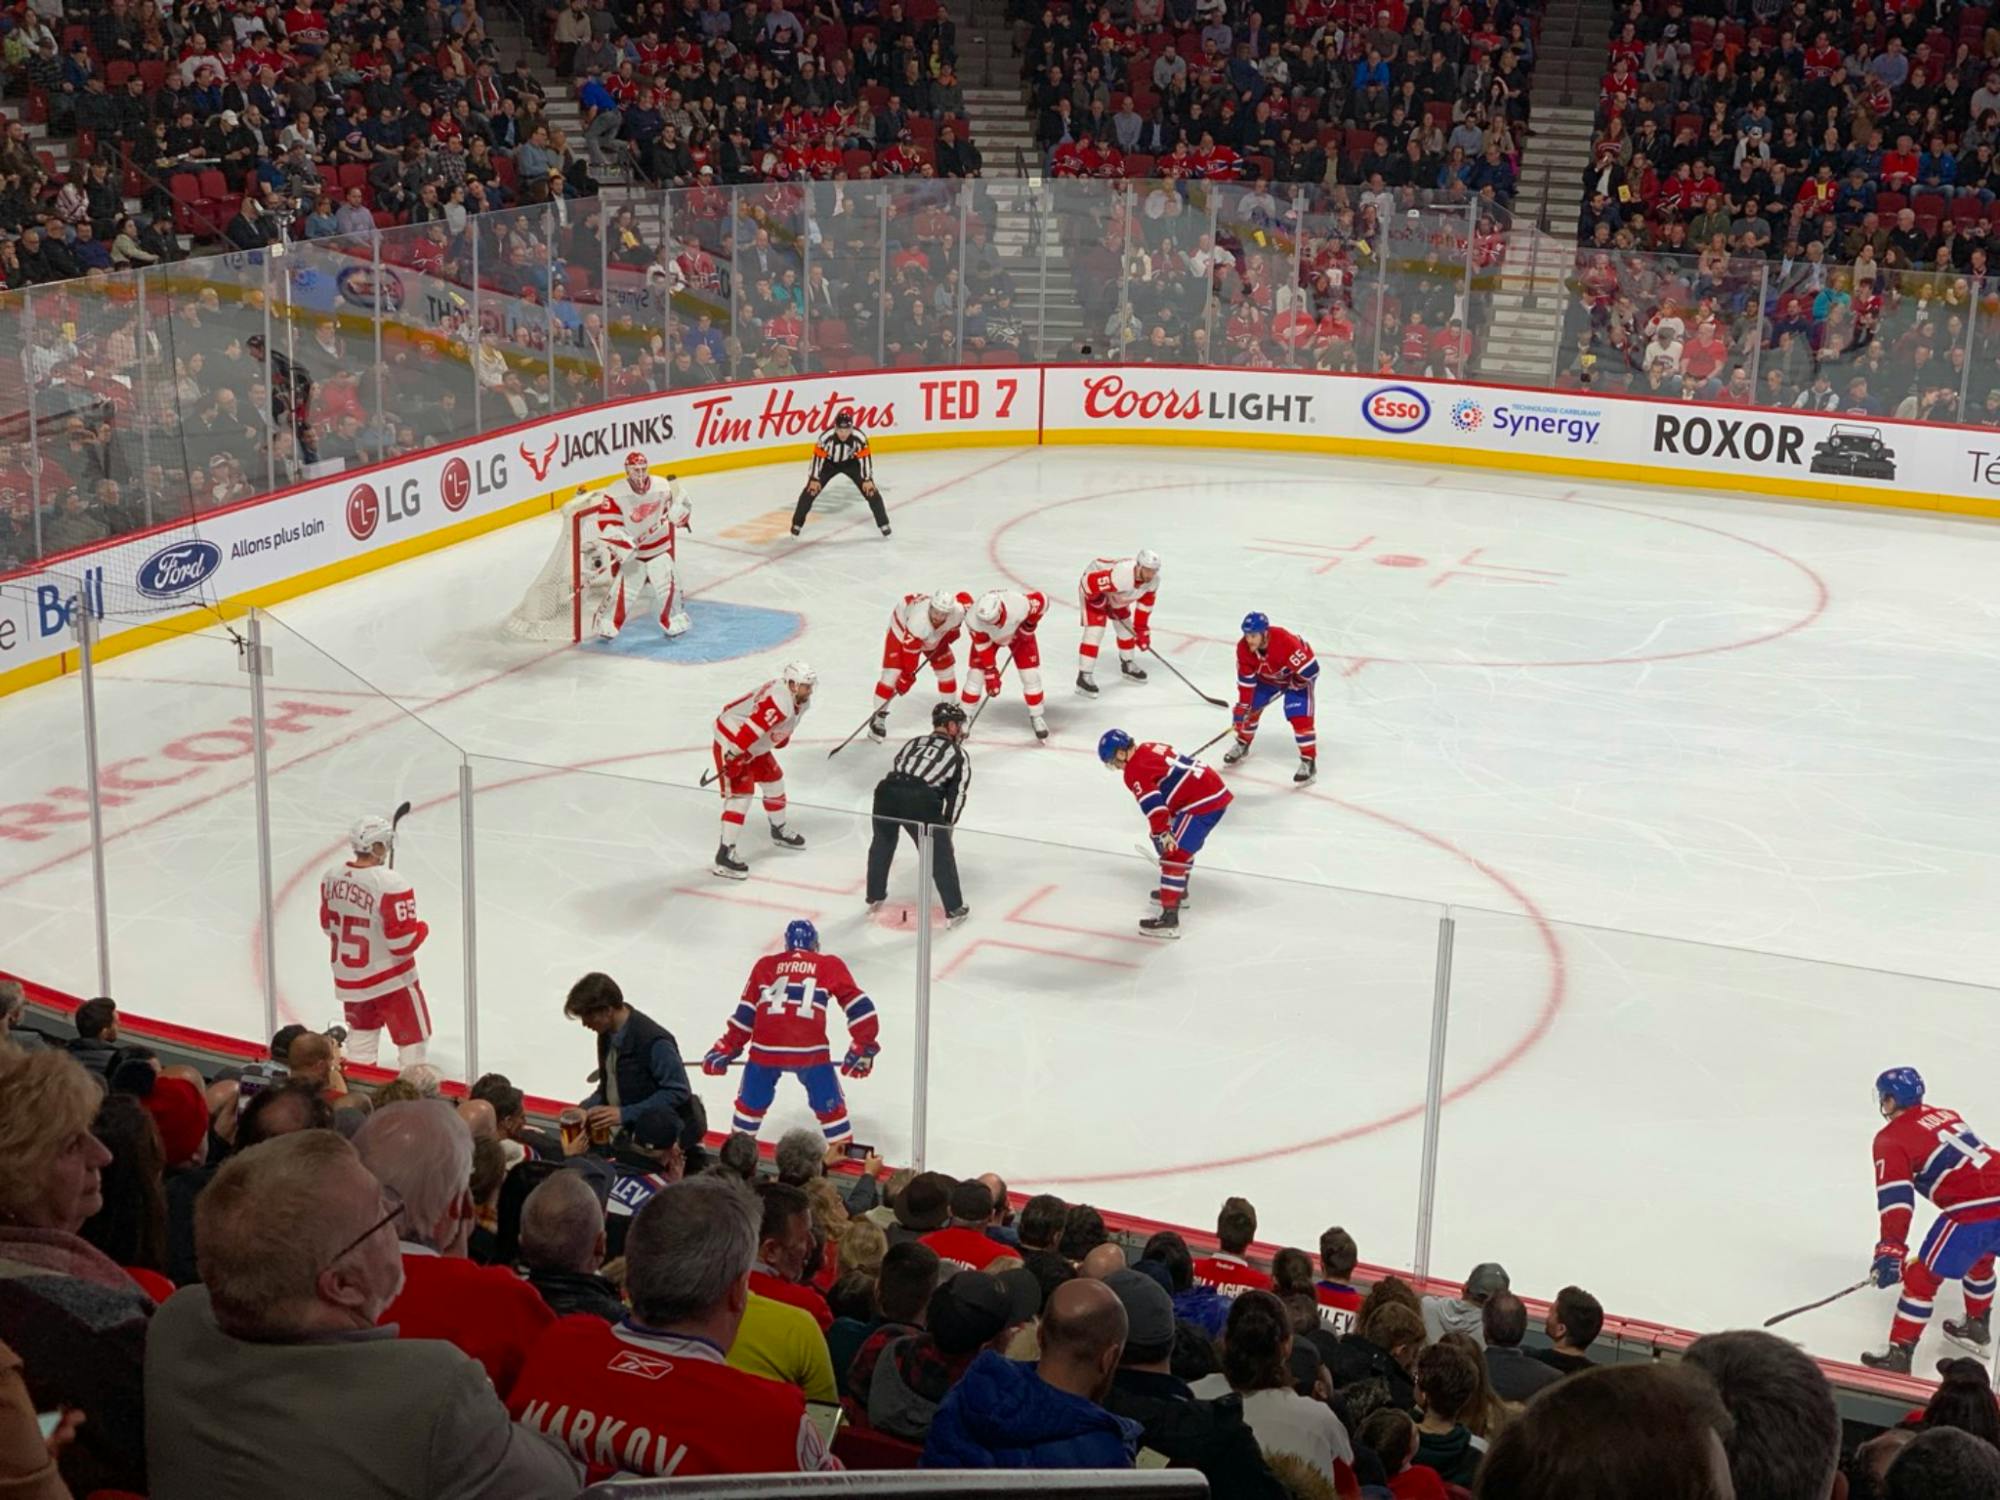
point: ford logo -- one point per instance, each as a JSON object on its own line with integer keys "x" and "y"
{"x": 176, "y": 569}
{"x": 1396, "y": 408}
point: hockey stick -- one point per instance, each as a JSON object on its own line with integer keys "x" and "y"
{"x": 1203, "y": 746}
{"x": 990, "y": 696}
{"x": 857, "y": 729}
{"x": 396, "y": 821}
{"x": 1219, "y": 703}
{"x": 1847, "y": 1291}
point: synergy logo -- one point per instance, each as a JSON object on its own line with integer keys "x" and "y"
{"x": 176, "y": 569}
{"x": 1577, "y": 426}
{"x": 1395, "y": 408}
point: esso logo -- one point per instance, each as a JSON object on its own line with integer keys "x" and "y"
{"x": 455, "y": 484}
{"x": 1396, "y": 408}
{"x": 364, "y": 511}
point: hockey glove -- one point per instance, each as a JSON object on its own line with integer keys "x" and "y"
{"x": 1143, "y": 638}
{"x": 717, "y": 1062}
{"x": 992, "y": 684}
{"x": 859, "y": 1062}
{"x": 1888, "y": 1266}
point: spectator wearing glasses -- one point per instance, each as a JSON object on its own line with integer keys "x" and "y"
{"x": 274, "y": 1378}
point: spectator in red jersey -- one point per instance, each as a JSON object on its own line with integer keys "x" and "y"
{"x": 422, "y": 1152}
{"x": 652, "y": 1395}
{"x": 903, "y": 1289}
{"x": 968, "y": 1314}
{"x": 784, "y": 1245}
{"x": 1647, "y": 1429}
{"x": 1787, "y": 1440}
{"x": 1515, "y": 1376}
{"x": 1339, "y": 1299}
{"x": 1462, "y": 1314}
{"x": 1227, "y": 1270}
{"x": 963, "y": 1244}
{"x": 273, "y": 1377}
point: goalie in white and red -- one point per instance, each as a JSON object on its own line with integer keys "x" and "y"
{"x": 369, "y": 914}
{"x": 921, "y": 630}
{"x": 1120, "y": 592}
{"x": 1007, "y": 618}
{"x": 640, "y": 524}
{"x": 747, "y": 732}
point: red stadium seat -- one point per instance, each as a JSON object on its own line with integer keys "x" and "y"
{"x": 866, "y": 1448}
{"x": 1888, "y": 205}
{"x": 153, "y": 74}
{"x": 831, "y": 335}
{"x": 116, "y": 73}
{"x": 1931, "y": 206}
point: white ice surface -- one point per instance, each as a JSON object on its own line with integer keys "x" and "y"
{"x": 1573, "y": 713}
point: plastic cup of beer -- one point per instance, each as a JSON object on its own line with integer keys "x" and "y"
{"x": 600, "y": 1132}
{"x": 571, "y": 1121}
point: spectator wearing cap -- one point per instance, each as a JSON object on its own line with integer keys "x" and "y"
{"x": 1227, "y": 1270}
{"x": 1210, "y": 1436}
{"x": 1257, "y": 1365}
{"x": 652, "y": 1394}
{"x": 1574, "y": 1321}
{"x": 422, "y": 1152}
{"x": 1008, "y": 1414}
{"x": 1462, "y": 1314}
{"x": 963, "y": 1244}
{"x": 562, "y": 1247}
{"x": 921, "y": 1208}
{"x": 903, "y": 1290}
{"x": 971, "y": 1312}
{"x": 274, "y": 1376}
{"x": 1514, "y": 1374}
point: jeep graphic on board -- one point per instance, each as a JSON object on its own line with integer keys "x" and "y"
{"x": 1855, "y": 452}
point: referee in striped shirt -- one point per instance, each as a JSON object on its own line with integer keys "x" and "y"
{"x": 927, "y": 784}
{"x": 841, "y": 450}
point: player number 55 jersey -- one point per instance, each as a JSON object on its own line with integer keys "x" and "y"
{"x": 369, "y": 914}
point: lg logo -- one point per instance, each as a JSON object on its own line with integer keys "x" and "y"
{"x": 460, "y": 482}
{"x": 399, "y": 500}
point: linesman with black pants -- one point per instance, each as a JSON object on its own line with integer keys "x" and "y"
{"x": 927, "y": 784}
{"x": 841, "y": 450}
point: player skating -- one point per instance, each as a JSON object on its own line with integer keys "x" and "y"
{"x": 841, "y": 450}
{"x": 1271, "y": 661}
{"x": 646, "y": 513}
{"x": 1119, "y": 592}
{"x": 1007, "y": 618}
{"x": 782, "y": 1016}
{"x": 1182, "y": 799}
{"x": 369, "y": 914}
{"x": 747, "y": 731}
{"x": 921, "y": 629}
{"x": 1928, "y": 1149}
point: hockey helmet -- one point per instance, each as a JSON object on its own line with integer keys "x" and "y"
{"x": 798, "y": 674}
{"x": 1905, "y": 1086}
{"x": 1147, "y": 560}
{"x": 1110, "y": 743}
{"x": 945, "y": 600}
{"x": 637, "y": 470}
{"x": 368, "y": 832}
{"x": 1256, "y": 622}
{"x": 947, "y": 712}
{"x": 801, "y": 936}
{"x": 991, "y": 609}
{"x": 844, "y": 417}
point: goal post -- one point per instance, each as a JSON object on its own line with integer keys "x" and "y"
{"x": 558, "y": 604}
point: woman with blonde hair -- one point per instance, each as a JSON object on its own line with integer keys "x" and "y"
{"x": 76, "y": 1320}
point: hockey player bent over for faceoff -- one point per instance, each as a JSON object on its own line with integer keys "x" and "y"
{"x": 369, "y": 914}
{"x": 1119, "y": 592}
{"x": 1930, "y": 1150}
{"x": 921, "y": 629}
{"x": 747, "y": 732}
{"x": 647, "y": 512}
{"x": 1182, "y": 799}
{"x": 782, "y": 1015}
{"x": 1007, "y": 618}
{"x": 1271, "y": 661}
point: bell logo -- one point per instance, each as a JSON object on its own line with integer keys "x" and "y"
{"x": 539, "y": 467}
{"x": 364, "y": 511}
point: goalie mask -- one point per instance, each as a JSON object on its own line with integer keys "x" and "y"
{"x": 636, "y": 473}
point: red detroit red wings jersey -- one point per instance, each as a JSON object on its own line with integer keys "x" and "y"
{"x": 1930, "y": 1150}
{"x": 1287, "y": 662}
{"x": 1169, "y": 784}
{"x": 782, "y": 1013}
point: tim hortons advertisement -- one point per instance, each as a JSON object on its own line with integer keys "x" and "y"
{"x": 271, "y": 543}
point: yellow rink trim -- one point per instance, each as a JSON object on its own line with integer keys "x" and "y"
{"x": 1803, "y": 488}
{"x": 186, "y": 622}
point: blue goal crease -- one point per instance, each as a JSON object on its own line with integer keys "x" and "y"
{"x": 717, "y": 632}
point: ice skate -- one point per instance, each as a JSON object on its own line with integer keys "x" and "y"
{"x": 957, "y": 917}
{"x": 1086, "y": 684}
{"x": 885, "y": 531}
{"x": 727, "y": 865}
{"x": 1236, "y": 752}
{"x": 1040, "y": 725}
{"x": 797, "y": 529}
{"x": 1895, "y": 1360}
{"x": 678, "y": 625}
{"x": 1132, "y": 670}
{"x": 1975, "y": 1334}
{"x": 785, "y": 839}
{"x": 607, "y": 628}
{"x": 1307, "y": 771}
{"x": 878, "y": 726}
{"x": 1168, "y": 925}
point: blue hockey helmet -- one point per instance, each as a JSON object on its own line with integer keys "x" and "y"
{"x": 801, "y": 935}
{"x": 1111, "y": 742}
{"x": 1256, "y": 622}
{"x": 1903, "y": 1085}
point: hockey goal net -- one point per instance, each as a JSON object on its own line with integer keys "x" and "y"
{"x": 559, "y": 603}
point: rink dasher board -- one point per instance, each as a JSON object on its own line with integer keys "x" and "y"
{"x": 272, "y": 548}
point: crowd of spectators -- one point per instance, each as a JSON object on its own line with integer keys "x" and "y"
{"x": 1792, "y": 204}
{"x": 221, "y": 1284}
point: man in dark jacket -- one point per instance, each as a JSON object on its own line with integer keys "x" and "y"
{"x": 96, "y": 1043}
{"x": 1210, "y": 1436}
{"x": 1514, "y": 1374}
{"x": 640, "y": 1076}
{"x": 970, "y": 1314}
{"x": 1009, "y": 1415}
{"x": 562, "y": 1246}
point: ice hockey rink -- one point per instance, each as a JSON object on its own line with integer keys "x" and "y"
{"x": 1707, "y": 784}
